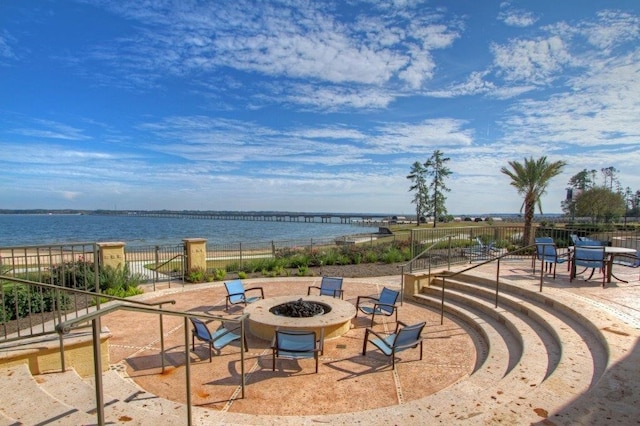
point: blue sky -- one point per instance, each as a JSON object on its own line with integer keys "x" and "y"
{"x": 309, "y": 105}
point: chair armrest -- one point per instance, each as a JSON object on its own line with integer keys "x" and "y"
{"x": 365, "y": 297}
{"x": 310, "y": 287}
{"x": 256, "y": 288}
{"x": 370, "y": 331}
{"x": 229, "y": 295}
{"x": 394, "y": 306}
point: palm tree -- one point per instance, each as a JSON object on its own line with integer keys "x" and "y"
{"x": 530, "y": 180}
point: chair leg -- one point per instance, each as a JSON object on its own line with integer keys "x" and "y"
{"x": 364, "y": 345}
{"x": 210, "y": 351}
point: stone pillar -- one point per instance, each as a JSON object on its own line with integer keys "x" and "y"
{"x": 112, "y": 254}
{"x": 413, "y": 283}
{"x": 195, "y": 250}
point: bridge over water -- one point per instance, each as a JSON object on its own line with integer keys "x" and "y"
{"x": 344, "y": 218}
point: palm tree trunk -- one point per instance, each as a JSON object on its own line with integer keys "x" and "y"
{"x": 529, "y": 210}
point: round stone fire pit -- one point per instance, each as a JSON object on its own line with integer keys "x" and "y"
{"x": 334, "y": 321}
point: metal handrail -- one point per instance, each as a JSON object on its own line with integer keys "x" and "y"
{"x": 95, "y": 317}
{"x": 449, "y": 274}
{"x": 98, "y": 296}
{"x": 435, "y": 243}
{"x": 410, "y": 262}
{"x": 85, "y": 292}
{"x": 155, "y": 275}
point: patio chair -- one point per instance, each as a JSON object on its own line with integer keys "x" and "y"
{"x": 295, "y": 344}
{"x": 588, "y": 257}
{"x": 216, "y": 340}
{"x": 547, "y": 253}
{"x": 404, "y": 337}
{"x": 329, "y": 286}
{"x": 480, "y": 249}
{"x": 627, "y": 260}
{"x": 236, "y": 293}
{"x": 385, "y": 304}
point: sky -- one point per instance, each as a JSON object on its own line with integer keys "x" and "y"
{"x": 310, "y": 106}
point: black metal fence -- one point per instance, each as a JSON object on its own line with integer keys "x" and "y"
{"x": 157, "y": 263}
{"x": 26, "y": 309}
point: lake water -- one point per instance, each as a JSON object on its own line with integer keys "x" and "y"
{"x": 24, "y": 230}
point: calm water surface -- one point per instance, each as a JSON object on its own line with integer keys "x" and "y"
{"x": 22, "y": 230}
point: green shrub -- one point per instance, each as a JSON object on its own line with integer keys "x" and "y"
{"x": 195, "y": 275}
{"x": 118, "y": 279}
{"x": 370, "y": 256}
{"x": 242, "y": 275}
{"x": 392, "y": 255}
{"x": 76, "y": 274}
{"x": 219, "y": 274}
{"x": 303, "y": 271}
{"x": 19, "y": 300}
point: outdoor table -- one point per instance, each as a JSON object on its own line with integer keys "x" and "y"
{"x": 610, "y": 254}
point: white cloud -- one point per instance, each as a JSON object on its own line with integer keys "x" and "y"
{"x": 599, "y": 109}
{"x": 612, "y": 29}
{"x": 48, "y": 129}
{"x": 533, "y": 61}
{"x": 516, "y": 17}
{"x": 6, "y": 50}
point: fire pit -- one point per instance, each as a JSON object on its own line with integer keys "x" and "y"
{"x": 325, "y": 315}
{"x": 300, "y": 309}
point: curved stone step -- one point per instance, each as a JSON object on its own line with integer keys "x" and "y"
{"x": 31, "y": 405}
{"x": 7, "y": 421}
{"x": 69, "y": 387}
{"x": 117, "y": 385}
{"x": 528, "y": 372}
{"x": 583, "y": 356}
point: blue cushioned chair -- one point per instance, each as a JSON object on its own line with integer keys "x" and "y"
{"x": 404, "y": 337}
{"x": 329, "y": 286}
{"x": 589, "y": 257}
{"x": 295, "y": 344}
{"x": 547, "y": 253}
{"x": 385, "y": 304}
{"x": 216, "y": 340}
{"x": 236, "y": 293}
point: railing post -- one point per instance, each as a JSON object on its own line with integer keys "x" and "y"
{"x": 187, "y": 368}
{"x": 497, "y": 281}
{"x": 161, "y": 340}
{"x": 442, "y": 304}
{"x": 541, "y": 273}
{"x": 402, "y": 285}
{"x": 97, "y": 370}
{"x": 155, "y": 270}
{"x": 242, "y": 348}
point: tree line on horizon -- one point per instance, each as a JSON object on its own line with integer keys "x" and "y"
{"x": 530, "y": 178}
